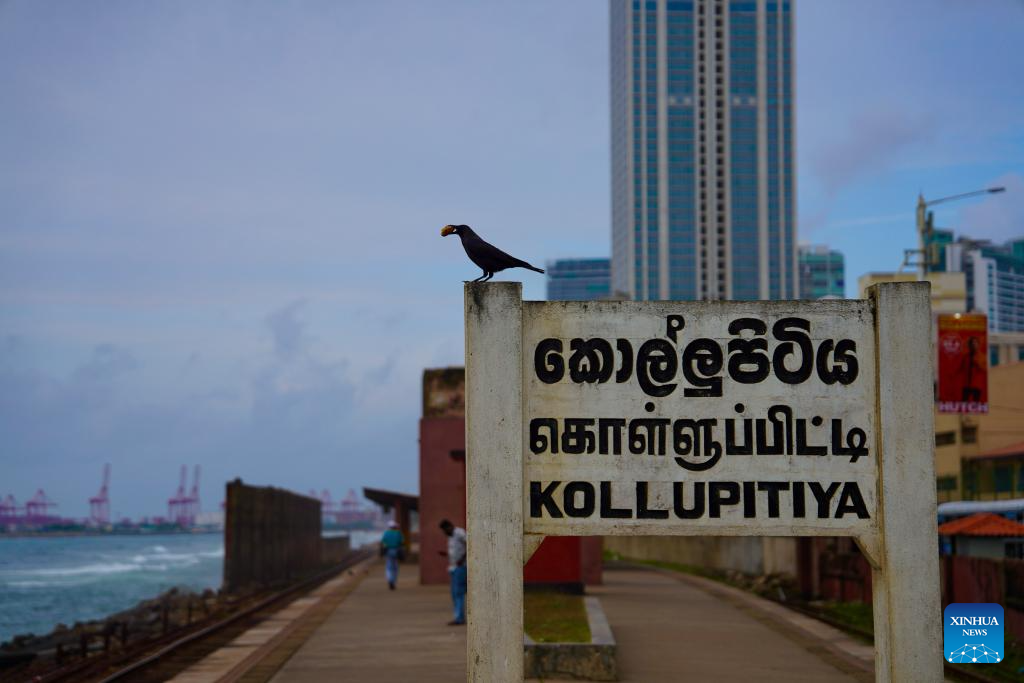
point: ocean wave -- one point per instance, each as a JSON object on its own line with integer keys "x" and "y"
{"x": 99, "y": 569}
{"x": 158, "y": 549}
{"x": 29, "y": 584}
{"x": 157, "y": 562}
{"x": 189, "y": 558}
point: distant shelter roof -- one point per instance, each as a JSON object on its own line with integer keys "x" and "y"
{"x": 389, "y": 499}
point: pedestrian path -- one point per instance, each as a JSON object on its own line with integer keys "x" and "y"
{"x": 669, "y": 628}
{"x": 384, "y": 636}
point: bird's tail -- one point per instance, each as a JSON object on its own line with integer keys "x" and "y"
{"x": 534, "y": 269}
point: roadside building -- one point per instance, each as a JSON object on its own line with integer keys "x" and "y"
{"x": 580, "y": 279}
{"x": 995, "y": 474}
{"x": 983, "y": 535}
{"x": 822, "y": 273}
{"x": 961, "y": 438}
{"x": 949, "y": 290}
{"x": 971, "y": 462}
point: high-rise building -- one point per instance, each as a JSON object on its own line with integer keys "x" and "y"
{"x": 821, "y": 272}
{"x": 702, "y": 150}
{"x": 995, "y": 279}
{"x": 580, "y": 279}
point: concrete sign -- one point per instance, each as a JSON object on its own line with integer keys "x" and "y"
{"x": 779, "y": 418}
{"x": 699, "y": 418}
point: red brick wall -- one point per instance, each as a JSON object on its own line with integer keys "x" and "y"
{"x": 442, "y": 491}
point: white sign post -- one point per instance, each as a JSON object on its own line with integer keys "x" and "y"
{"x": 767, "y": 418}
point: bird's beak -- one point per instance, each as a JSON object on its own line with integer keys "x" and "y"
{"x": 447, "y": 230}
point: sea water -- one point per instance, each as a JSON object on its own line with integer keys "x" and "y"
{"x": 49, "y": 580}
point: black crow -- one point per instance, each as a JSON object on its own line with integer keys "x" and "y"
{"x": 487, "y": 256}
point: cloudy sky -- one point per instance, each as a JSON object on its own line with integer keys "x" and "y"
{"x": 219, "y": 221}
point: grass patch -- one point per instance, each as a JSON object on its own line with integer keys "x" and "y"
{"x": 553, "y": 617}
{"x": 857, "y": 615}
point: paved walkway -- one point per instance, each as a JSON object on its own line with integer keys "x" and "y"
{"x": 384, "y": 636}
{"x": 668, "y": 628}
{"x": 671, "y": 628}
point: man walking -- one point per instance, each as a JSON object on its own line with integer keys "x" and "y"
{"x": 456, "y": 568}
{"x": 391, "y": 546}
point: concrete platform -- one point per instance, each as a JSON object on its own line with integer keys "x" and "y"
{"x": 667, "y": 628}
{"x": 384, "y": 636}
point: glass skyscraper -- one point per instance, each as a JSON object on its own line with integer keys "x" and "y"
{"x": 702, "y": 150}
{"x": 821, "y": 272}
{"x": 579, "y": 279}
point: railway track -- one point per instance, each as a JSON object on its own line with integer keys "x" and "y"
{"x": 161, "y": 659}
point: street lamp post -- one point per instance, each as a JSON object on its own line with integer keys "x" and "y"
{"x": 924, "y": 226}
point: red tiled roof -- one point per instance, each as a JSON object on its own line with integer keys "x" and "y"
{"x": 982, "y": 524}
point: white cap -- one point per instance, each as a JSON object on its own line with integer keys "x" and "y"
{"x": 392, "y": 524}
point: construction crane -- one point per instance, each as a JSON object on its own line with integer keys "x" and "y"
{"x": 177, "y": 503}
{"x": 99, "y": 505}
{"x": 9, "y": 510}
{"x": 37, "y": 508}
{"x": 193, "y": 498}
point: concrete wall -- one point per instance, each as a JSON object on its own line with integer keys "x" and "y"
{"x": 751, "y": 555}
{"x": 271, "y": 536}
{"x": 334, "y": 549}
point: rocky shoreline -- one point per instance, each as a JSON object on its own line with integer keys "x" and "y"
{"x": 149, "y": 620}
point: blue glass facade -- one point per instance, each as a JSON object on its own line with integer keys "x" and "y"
{"x": 702, "y": 191}
{"x": 822, "y": 273}
{"x": 579, "y": 279}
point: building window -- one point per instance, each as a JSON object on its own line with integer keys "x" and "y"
{"x": 458, "y": 456}
{"x": 969, "y": 434}
{"x": 1004, "y": 478}
{"x": 970, "y": 484}
{"x": 945, "y": 438}
{"x": 946, "y": 483}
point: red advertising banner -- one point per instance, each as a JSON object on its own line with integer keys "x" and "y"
{"x": 963, "y": 363}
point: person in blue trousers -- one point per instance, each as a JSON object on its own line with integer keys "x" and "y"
{"x": 391, "y": 546}
{"x": 456, "y": 568}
